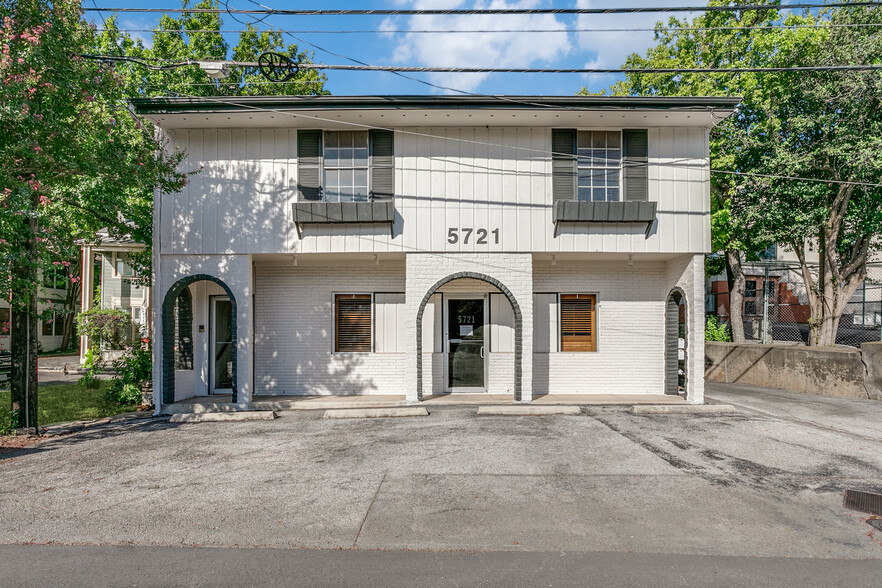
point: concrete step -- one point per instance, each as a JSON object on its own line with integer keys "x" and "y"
{"x": 684, "y": 409}
{"x": 527, "y": 410}
{"x": 221, "y": 417}
{"x": 375, "y": 413}
{"x": 203, "y": 407}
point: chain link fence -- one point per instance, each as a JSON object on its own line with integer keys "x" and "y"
{"x": 776, "y": 305}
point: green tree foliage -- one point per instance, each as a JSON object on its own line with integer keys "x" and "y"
{"x": 71, "y": 155}
{"x": 825, "y": 125}
{"x": 194, "y": 36}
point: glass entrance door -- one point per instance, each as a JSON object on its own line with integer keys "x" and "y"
{"x": 465, "y": 345}
{"x": 222, "y": 345}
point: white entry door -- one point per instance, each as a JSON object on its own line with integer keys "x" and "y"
{"x": 222, "y": 345}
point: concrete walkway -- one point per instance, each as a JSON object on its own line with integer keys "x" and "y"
{"x": 223, "y": 402}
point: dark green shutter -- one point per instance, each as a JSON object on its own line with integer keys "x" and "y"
{"x": 309, "y": 168}
{"x": 382, "y": 164}
{"x": 634, "y": 164}
{"x": 563, "y": 164}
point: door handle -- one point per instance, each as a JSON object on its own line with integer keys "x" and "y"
{"x": 482, "y": 352}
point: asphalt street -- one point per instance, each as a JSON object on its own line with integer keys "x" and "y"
{"x": 733, "y": 499}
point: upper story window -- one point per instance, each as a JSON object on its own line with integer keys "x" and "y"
{"x": 599, "y": 164}
{"x": 345, "y": 166}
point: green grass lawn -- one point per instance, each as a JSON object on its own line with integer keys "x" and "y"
{"x": 67, "y": 402}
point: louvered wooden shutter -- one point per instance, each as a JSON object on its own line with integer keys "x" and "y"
{"x": 563, "y": 164}
{"x": 309, "y": 165}
{"x": 352, "y": 322}
{"x": 382, "y": 164}
{"x": 634, "y": 163}
{"x": 577, "y": 322}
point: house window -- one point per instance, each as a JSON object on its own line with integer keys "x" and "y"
{"x": 123, "y": 269}
{"x": 599, "y": 164}
{"x": 352, "y": 322}
{"x": 346, "y": 166}
{"x": 54, "y": 278}
{"x": 578, "y": 322}
{"x": 54, "y": 327}
{"x": 4, "y": 322}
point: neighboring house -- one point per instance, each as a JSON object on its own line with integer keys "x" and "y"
{"x": 425, "y": 245}
{"x": 50, "y": 332}
{"x": 116, "y": 287}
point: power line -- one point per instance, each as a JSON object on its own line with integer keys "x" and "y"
{"x": 498, "y": 11}
{"x": 402, "y": 68}
{"x": 485, "y": 31}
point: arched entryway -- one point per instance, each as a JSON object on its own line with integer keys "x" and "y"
{"x": 516, "y": 309}
{"x": 675, "y": 343}
{"x": 174, "y": 300}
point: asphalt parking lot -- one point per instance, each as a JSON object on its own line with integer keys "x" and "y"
{"x": 767, "y": 482}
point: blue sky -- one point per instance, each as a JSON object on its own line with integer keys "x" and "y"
{"x": 400, "y": 47}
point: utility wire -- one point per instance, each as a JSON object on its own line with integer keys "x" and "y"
{"x": 402, "y": 68}
{"x": 485, "y": 31}
{"x": 501, "y": 11}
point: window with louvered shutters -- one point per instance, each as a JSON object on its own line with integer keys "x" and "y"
{"x": 577, "y": 322}
{"x": 352, "y": 322}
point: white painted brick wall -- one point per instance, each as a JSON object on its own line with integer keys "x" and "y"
{"x": 294, "y": 336}
{"x": 687, "y": 273}
{"x": 630, "y": 329}
{"x": 424, "y": 270}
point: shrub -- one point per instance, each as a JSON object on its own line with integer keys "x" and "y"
{"x": 90, "y": 379}
{"x": 106, "y": 329}
{"x": 714, "y": 331}
{"x": 132, "y": 369}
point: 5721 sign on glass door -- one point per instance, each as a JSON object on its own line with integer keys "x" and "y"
{"x": 469, "y": 235}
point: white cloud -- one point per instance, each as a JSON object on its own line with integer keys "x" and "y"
{"x": 502, "y": 49}
{"x": 610, "y": 49}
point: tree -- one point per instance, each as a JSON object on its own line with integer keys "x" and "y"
{"x": 71, "y": 155}
{"x": 194, "y": 36}
{"x": 828, "y": 126}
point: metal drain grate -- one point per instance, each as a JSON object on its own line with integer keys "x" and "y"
{"x": 863, "y": 502}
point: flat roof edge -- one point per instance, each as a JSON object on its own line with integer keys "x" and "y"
{"x": 170, "y": 105}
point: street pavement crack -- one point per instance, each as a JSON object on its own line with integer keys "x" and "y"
{"x": 368, "y": 511}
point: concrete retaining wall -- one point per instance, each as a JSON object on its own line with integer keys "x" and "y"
{"x": 844, "y": 373}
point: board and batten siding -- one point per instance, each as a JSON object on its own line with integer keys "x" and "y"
{"x": 496, "y": 178}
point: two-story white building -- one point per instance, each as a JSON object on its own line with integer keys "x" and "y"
{"x": 424, "y": 245}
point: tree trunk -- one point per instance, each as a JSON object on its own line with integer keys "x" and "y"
{"x": 24, "y": 338}
{"x": 736, "y": 294}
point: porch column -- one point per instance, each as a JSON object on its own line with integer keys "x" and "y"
{"x": 695, "y": 323}
{"x": 87, "y": 291}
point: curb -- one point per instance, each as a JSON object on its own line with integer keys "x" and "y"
{"x": 374, "y": 413}
{"x": 684, "y": 409}
{"x": 74, "y": 426}
{"x": 220, "y": 417}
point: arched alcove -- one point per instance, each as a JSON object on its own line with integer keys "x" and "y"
{"x": 168, "y": 333}
{"x": 518, "y": 383}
